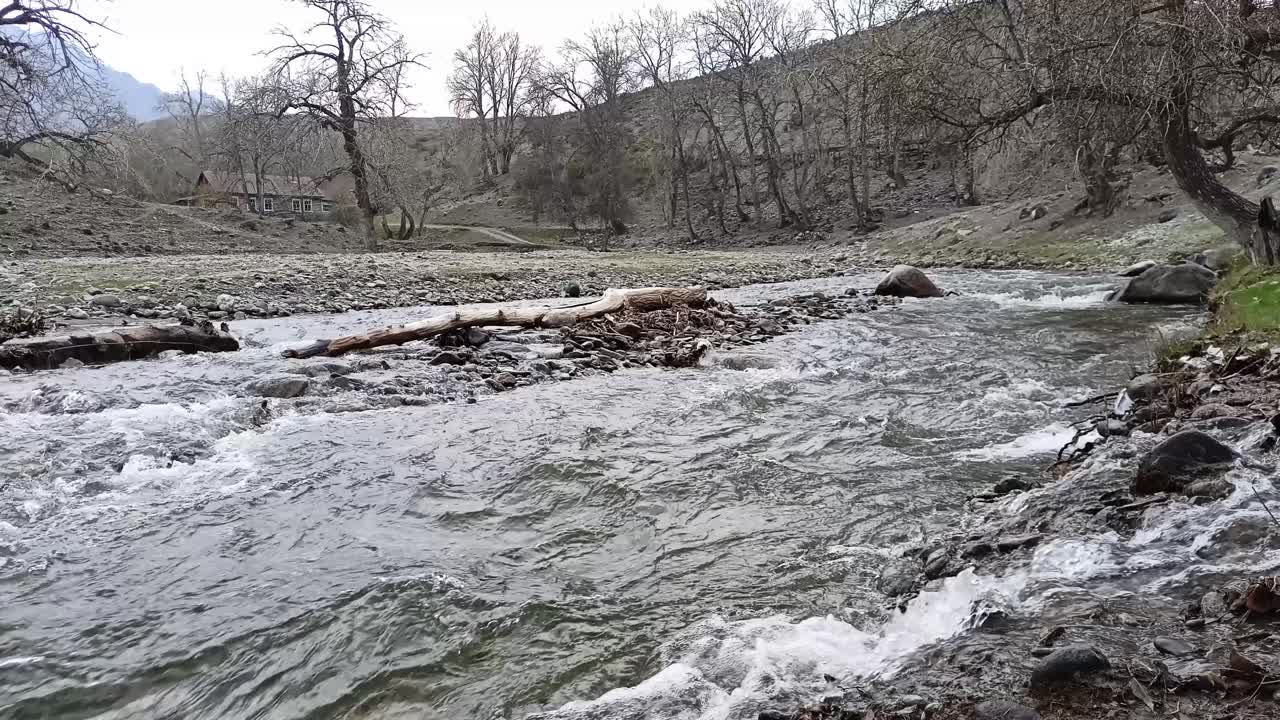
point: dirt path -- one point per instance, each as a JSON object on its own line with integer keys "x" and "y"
{"x": 495, "y": 233}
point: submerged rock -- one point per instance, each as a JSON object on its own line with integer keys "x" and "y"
{"x": 907, "y": 281}
{"x": 1176, "y": 462}
{"x": 285, "y": 386}
{"x": 1184, "y": 283}
{"x": 1068, "y": 663}
{"x": 1003, "y": 710}
{"x": 1144, "y": 387}
{"x": 898, "y": 577}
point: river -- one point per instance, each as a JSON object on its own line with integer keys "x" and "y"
{"x": 661, "y": 544}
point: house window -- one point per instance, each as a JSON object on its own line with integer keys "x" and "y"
{"x": 268, "y": 205}
{"x": 296, "y": 205}
{"x": 307, "y": 206}
{"x": 253, "y": 204}
{"x": 326, "y": 206}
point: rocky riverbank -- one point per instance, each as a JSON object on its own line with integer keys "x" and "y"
{"x": 1169, "y": 488}
{"x": 80, "y": 290}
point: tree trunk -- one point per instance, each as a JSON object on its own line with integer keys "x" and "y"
{"x": 1230, "y": 211}
{"x": 639, "y": 300}
{"x": 115, "y": 345}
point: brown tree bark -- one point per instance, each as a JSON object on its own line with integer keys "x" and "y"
{"x": 1232, "y": 212}
{"x": 115, "y": 345}
{"x": 640, "y": 300}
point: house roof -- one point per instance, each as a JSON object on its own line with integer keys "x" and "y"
{"x": 280, "y": 185}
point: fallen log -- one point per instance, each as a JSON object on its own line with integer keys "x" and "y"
{"x": 115, "y": 345}
{"x": 637, "y": 300}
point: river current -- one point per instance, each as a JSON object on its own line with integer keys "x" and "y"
{"x": 656, "y": 544}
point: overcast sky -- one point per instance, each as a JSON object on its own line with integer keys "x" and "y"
{"x": 154, "y": 40}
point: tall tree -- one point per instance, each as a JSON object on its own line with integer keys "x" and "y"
{"x": 345, "y": 72}
{"x": 591, "y": 78}
{"x": 1201, "y": 74}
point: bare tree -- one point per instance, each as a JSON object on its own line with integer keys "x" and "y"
{"x": 1199, "y": 73}
{"x": 591, "y": 78}
{"x": 658, "y": 38}
{"x": 190, "y": 108}
{"x": 55, "y": 111}
{"x": 251, "y": 139}
{"x": 492, "y": 80}
{"x": 345, "y": 72}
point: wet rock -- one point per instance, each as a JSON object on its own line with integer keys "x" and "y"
{"x": 285, "y": 386}
{"x": 506, "y": 379}
{"x": 1215, "y": 489}
{"x": 898, "y": 577}
{"x": 1112, "y": 428}
{"x": 1010, "y": 485}
{"x": 1174, "y": 463}
{"x": 907, "y": 281}
{"x": 476, "y": 337}
{"x": 1137, "y": 268}
{"x": 1009, "y": 544}
{"x": 910, "y": 701}
{"x": 446, "y": 357}
{"x": 1185, "y": 283}
{"x": 1213, "y": 410}
{"x": 745, "y": 361}
{"x": 977, "y": 549}
{"x": 106, "y": 300}
{"x": 1003, "y": 710}
{"x": 1174, "y": 646}
{"x": 1144, "y": 387}
{"x": 1069, "y": 663}
{"x": 572, "y": 290}
{"x": 1167, "y": 215}
{"x": 75, "y": 313}
{"x": 320, "y": 369}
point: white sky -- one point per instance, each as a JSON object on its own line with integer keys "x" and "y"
{"x": 154, "y": 40}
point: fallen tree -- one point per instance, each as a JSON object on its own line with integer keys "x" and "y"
{"x": 613, "y": 301}
{"x": 116, "y": 345}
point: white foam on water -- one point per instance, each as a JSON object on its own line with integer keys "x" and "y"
{"x": 1044, "y": 441}
{"x": 725, "y": 670}
{"x": 1046, "y": 301}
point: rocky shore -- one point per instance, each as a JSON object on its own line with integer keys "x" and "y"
{"x": 80, "y": 290}
{"x": 1182, "y": 456}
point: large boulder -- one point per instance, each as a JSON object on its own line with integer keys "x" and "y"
{"x": 1180, "y": 460}
{"x": 1184, "y": 283}
{"x": 907, "y": 281}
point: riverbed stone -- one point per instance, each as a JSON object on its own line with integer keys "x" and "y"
{"x": 1183, "y": 283}
{"x": 1069, "y": 663}
{"x": 1174, "y": 646}
{"x": 1003, "y": 710}
{"x": 1178, "y": 461}
{"x": 284, "y": 386}
{"x": 1144, "y": 387}
{"x": 1215, "y": 489}
{"x": 106, "y": 300}
{"x": 907, "y": 281}
{"x": 898, "y": 577}
{"x": 446, "y": 357}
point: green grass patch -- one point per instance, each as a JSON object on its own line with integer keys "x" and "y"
{"x": 1247, "y": 302}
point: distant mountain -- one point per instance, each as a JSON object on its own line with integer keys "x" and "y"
{"x": 141, "y": 100}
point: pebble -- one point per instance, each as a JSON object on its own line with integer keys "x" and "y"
{"x": 1174, "y": 646}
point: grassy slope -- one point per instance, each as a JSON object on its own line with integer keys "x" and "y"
{"x": 1247, "y": 303}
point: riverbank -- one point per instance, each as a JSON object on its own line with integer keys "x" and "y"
{"x": 226, "y": 287}
{"x": 1107, "y": 622}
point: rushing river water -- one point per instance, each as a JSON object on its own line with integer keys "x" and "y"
{"x": 683, "y": 543}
